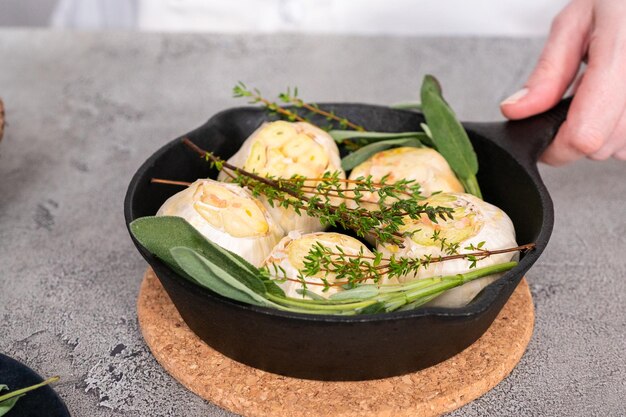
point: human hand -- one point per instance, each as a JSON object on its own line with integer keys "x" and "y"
{"x": 596, "y": 122}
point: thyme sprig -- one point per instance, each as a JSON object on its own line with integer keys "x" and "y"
{"x": 255, "y": 97}
{"x": 308, "y": 188}
{"x": 382, "y": 224}
{"x": 350, "y": 269}
{"x": 289, "y": 98}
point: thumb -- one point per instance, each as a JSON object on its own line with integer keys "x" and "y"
{"x": 557, "y": 66}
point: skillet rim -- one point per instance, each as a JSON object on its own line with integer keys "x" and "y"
{"x": 488, "y": 296}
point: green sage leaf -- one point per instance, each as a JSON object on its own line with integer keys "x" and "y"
{"x": 361, "y": 155}
{"x": 308, "y": 293}
{"x": 448, "y": 135}
{"x": 409, "y": 105}
{"x": 215, "y": 278}
{"x": 272, "y": 288}
{"x": 342, "y": 135}
{"x": 375, "y": 308}
{"x": 159, "y": 234}
{"x": 361, "y": 292}
{"x": 7, "y": 401}
{"x": 7, "y": 405}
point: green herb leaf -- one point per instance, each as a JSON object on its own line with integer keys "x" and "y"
{"x": 420, "y": 302}
{"x": 342, "y": 135}
{"x": 359, "y": 156}
{"x": 7, "y": 405}
{"x": 160, "y": 234}
{"x": 272, "y": 288}
{"x": 7, "y": 401}
{"x": 449, "y": 136}
{"x": 427, "y": 131}
{"x": 409, "y": 105}
{"x": 216, "y": 278}
{"x": 360, "y": 292}
{"x": 316, "y": 306}
{"x": 308, "y": 293}
{"x": 375, "y": 308}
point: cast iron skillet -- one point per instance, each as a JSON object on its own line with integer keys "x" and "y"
{"x": 361, "y": 347}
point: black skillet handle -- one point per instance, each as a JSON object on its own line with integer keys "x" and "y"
{"x": 526, "y": 139}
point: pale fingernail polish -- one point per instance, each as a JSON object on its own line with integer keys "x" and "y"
{"x": 515, "y": 97}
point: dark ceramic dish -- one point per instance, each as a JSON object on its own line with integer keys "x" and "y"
{"x": 40, "y": 402}
{"x": 369, "y": 346}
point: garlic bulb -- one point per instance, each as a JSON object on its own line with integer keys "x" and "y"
{"x": 284, "y": 149}
{"x": 474, "y": 221}
{"x": 425, "y": 166}
{"x": 287, "y": 260}
{"x": 227, "y": 215}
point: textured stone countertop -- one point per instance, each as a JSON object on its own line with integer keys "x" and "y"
{"x": 85, "y": 109}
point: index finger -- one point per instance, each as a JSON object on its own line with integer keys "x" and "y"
{"x": 600, "y": 98}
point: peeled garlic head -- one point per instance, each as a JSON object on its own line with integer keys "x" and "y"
{"x": 287, "y": 260}
{"x": 474, "y": 221}
{"x": 284, "y": 149}
{"x": 227, "y": 215}
{"x": 425, "y": 166}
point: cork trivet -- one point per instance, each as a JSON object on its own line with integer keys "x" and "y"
{"x": 252, "y": 392}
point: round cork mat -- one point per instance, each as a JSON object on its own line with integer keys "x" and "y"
{"x": 252, "y": 392}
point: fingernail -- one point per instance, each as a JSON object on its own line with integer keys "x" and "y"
{"x": 515, "y": 97}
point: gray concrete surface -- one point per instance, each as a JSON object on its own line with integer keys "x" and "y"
{"x": 84, "y": 111}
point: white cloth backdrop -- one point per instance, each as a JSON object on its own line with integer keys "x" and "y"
{"x": 394, "y": 17}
